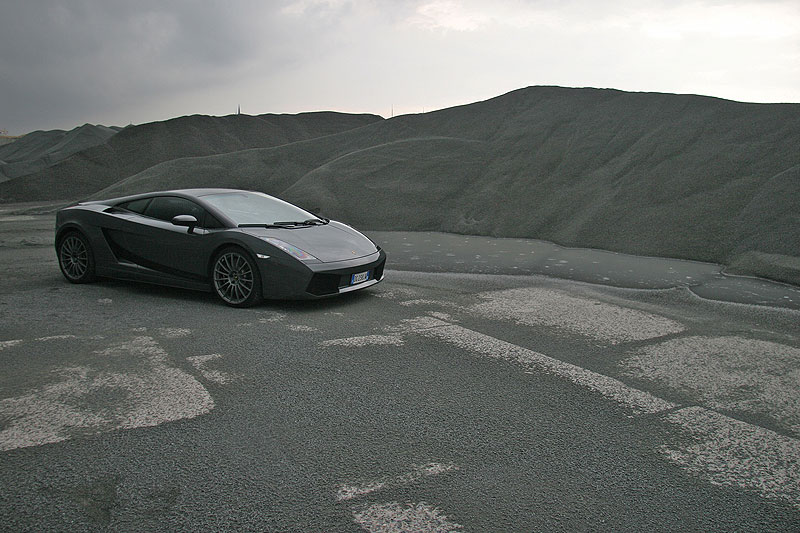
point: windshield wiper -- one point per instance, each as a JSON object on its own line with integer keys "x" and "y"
{"x": 289, "y": 224}
{"x": 262, "y": 226}
{"x": 308, "y": 222}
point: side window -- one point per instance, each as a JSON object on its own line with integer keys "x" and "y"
{"x": 137, "y": 206}
{"x": 210, "y": 222}
{"x": 167, "y": 207}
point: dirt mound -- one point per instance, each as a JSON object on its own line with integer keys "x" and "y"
{"x": 137, "y": 148}
{"x": 644, "y": 173}
{"x": 41, "y": 149}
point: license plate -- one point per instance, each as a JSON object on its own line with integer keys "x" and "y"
{"x": 359, "y": 278}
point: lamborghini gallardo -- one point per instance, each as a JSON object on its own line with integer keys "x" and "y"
{"x": 244, "y": 246}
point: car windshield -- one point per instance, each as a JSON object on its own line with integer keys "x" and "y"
{"x": 257, "y": 208}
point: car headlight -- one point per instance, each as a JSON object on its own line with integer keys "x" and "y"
{"x": 291, "y": 249}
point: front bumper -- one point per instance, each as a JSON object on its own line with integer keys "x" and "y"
{"x": 320, "y": 280}
{"x": 330, "y": 282}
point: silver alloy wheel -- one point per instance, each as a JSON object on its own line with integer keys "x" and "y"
{"x": 74, "y": 257}
{"x": 233, "y": 278}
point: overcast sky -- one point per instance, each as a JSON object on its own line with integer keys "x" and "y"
{"x": 68, "y": 62}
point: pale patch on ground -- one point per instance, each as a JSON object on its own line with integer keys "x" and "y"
{"x": 105, "y": 301}
{"x": 9, "y": 344}
{"x": 348, "y": 491}
{"x": 146, "y": 391}
{"x": 216, "y": 376}
{"x": 730, "y": 373}
{"x": 724, "y": 451}
{"x": 366, "y": 340}
{"x": 174, "y": 333}
{"x": 485, "y": 345}
{"x": 421, "y": 301}
{"x": 577, "y": 315}
{"x": 413, "y": 325}
{"x": 394, "y": 293}
{"x": 301, "y": 328}
{"x": 271, "y": 317}
{"x": 16, "y": 218}
{"x": 56, "y": 337}
{"x": 393, "y": 517}
{"x": 732, "y": 453}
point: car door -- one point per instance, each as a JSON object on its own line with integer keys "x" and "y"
{"x": 150, "y": 239}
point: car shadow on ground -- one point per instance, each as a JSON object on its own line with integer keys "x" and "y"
{"x": 179, "y": 295}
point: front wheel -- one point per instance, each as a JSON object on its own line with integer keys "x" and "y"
{"x": 235, "y": 278}
{"x": 75, "y": 258}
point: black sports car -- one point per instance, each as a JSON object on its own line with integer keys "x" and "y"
{"x": 243, "y": 245}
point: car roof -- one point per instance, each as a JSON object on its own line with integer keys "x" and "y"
{"x": 205, "y": 191}
{"x": 190, "y": 193}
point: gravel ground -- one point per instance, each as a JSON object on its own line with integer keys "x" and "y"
{"x": 433, "y": 401}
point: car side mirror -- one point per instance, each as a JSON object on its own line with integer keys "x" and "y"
{"x": 185, "y": 220}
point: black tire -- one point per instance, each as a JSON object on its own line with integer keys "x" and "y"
{"x": 235, "y": 278}
{"x": 75, "y": 258}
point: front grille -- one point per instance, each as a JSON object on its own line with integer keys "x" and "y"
{"x": 322, "y": 284}
{"x": 326, "y": 283}
{"x": 379, "y": 270}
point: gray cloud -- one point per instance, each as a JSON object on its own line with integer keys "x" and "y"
{"x": 88, "y": 58}
{"x": 115, "y": 62}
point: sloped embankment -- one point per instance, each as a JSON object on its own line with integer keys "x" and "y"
{"x": 644, "y": 173}
{"x": 41, "y": 149}
{"x": 137, "y": 148}
{"x": 652, "y": 174}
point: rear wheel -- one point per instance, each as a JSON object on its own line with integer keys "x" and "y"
{"x": 235, "y": 278}
{"x": 75, "y": 258}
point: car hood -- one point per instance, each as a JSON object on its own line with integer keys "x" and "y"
{"x": 329, "y": 243}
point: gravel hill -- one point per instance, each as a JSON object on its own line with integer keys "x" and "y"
{"x": 41, "y": 149}
{"x": 653, "y": 174}
{"x": 137, "y": 148}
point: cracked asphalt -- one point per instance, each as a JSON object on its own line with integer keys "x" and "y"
{"x": 434, "y": 401}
